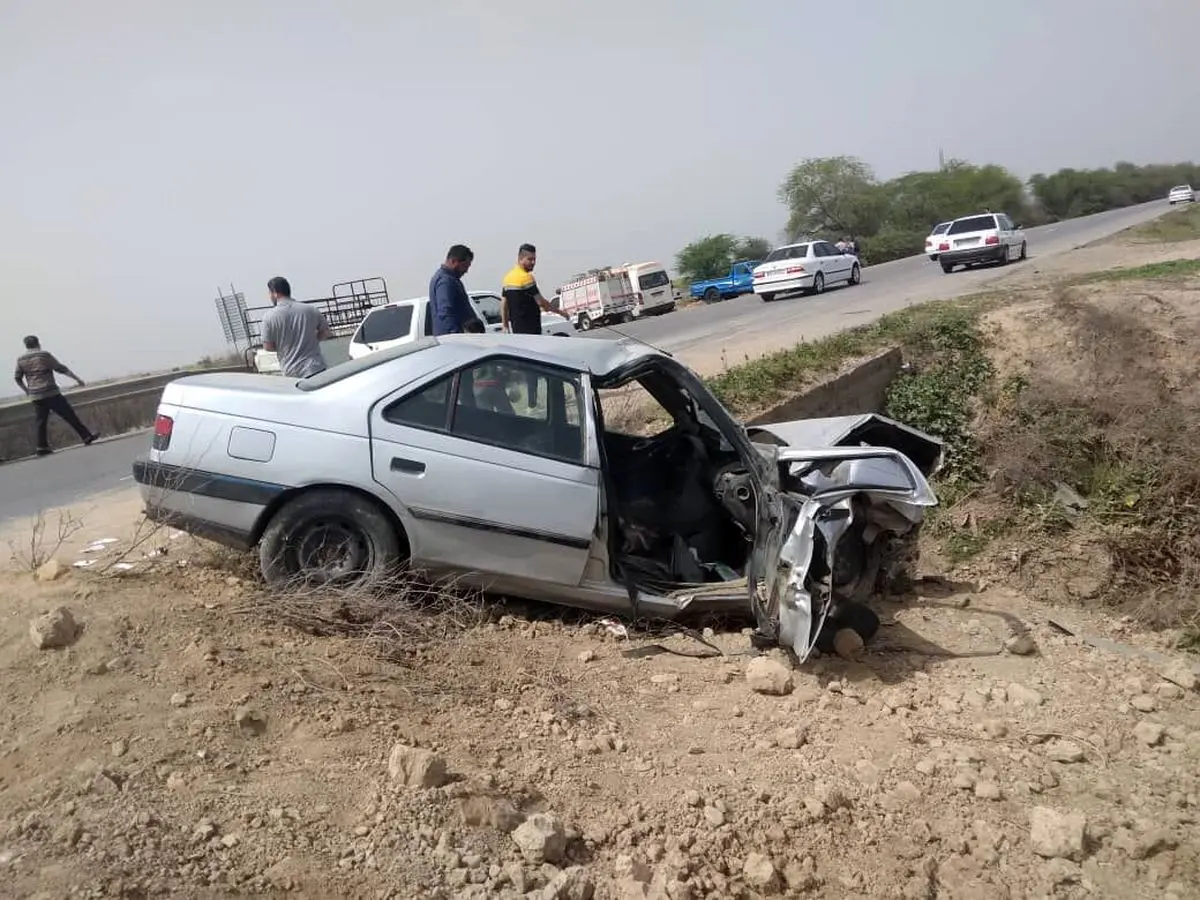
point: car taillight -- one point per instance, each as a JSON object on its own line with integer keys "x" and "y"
{"x": 795, "y": 270}
{"x": 992, "y": 239}
{"x": 943, "y": 246}
{"x": 163, "y": 426}
{"x": 759, "y": 274}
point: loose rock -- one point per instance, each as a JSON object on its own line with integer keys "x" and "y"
{"x": 541, "y": 838}
{"x": 1064, "y": 751}
{"x": 50, "y": 570}
{"x": 54, "y": 630}
{"x": 1057, "y": 835}
{"x": 760, "y": 872}
{"x": 415, "y": 767}
{"x": 1149, "y": 733}
{"x": 769, "y": 676}
{"x": 1020, "y": 645}
{"x": 250, "y": 721}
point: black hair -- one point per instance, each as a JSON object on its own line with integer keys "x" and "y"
{"x": 460, "y": 253}
{"x": 279, "y": 285}
{"x": 527, "y": 250}
{"x": 31, "y": 342}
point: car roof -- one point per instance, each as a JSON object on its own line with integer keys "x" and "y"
{"x": 426, "y": 298}
{"x": 976, "y": 216}
{"x": 599, "y": 356}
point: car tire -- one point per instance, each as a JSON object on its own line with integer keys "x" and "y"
{"x": 947, "y": 268}
{"x": 585, "y": 322}
{"x": 1024, "y": 252}
{"x": 855, "y": 275}
{"x": 818, "y": 284}
{"x": 712, "y": 295}
{"x": 767, "y": 297}
{"x": 286, "y": 551}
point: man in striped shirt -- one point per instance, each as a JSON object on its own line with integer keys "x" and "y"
{"x": 35, "y": 376}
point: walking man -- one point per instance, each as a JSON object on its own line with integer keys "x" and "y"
{"x": 35, "y": 376}
{"x": 452, "y": 309}
{"x": 294, "y": 331}
{"x": 522, "y": 304}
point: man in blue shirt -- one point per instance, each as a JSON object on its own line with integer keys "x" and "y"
{"x": 452, "y": 309}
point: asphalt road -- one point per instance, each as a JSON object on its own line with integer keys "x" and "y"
{"x": 885, "y": 288}
{"x": 72, "y": 475}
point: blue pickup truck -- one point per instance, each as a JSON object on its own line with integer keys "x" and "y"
{"x": 740, "y": 280}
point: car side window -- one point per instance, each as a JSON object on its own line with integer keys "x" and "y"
{"x": 428, "y": 408}
{"x": 1005, "y": 223}
{"x": 506, "y": 403}
{"x": 820, "y": 248}
{"x": 489, "y": 308}
{"x": 521, "y": 407}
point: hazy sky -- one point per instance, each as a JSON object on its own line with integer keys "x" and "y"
{"x": 154, "y": 149}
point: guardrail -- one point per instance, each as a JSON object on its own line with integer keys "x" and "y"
{"x": 112, "y": 408}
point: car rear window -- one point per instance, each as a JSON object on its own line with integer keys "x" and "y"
{"x": 797, "y": 251}
{"x": 651, "y": 280}
{"x": 1181, "y": 187}
{"x": 974, "y": 223}
{"x": 352, "y": 367}
{"x": 388, "y": 323}
{"x": 941, "y": 229}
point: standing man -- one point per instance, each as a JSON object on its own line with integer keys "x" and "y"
{"x": 452, "y": 309}
{"x": 35, "y": 376}
{"x": 522, "y": 304}
{"x": 294, "y": 332}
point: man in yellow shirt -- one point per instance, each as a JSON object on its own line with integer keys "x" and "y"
{"x": 522, "y": 305}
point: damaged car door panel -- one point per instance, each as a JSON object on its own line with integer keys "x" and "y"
{"x": 492, "y": 457}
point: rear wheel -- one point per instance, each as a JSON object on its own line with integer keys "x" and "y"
{"x": 712, "y": 295}
{"x": 329, "y": 536}
{"x": 947, "y": 268}
{"x": 767, "y": 297}
{"x": 1024, "y": 251}
{"x": 585, "y": 322}
{"x": 819, "y": 284}
{"x": 855, "y": 275}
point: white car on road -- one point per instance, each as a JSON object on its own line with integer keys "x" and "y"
{"x": 404, "y": 321}
{"x": 1181, "y": 193}
{"x": 809, "y": 267}
{"x": 935, "y": 238}
{"x": 981, "y": 238}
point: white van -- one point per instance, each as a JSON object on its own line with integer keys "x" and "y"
{"x": 653, "y": 291}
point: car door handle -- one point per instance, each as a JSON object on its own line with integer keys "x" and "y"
{"x": 408, "y": 466}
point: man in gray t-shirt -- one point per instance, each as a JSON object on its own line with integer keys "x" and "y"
{"x": 294, "y": 331}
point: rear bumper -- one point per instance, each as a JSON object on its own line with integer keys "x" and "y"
{"x": 986, "y": 253}
{"x": 803, "y": 283}
{"x": 220, "y": 508}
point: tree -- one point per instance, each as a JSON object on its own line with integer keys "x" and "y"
{"x": 832, "y": 195}
{"x": 1079, "y": 192}
{"x": 712, "y": 256}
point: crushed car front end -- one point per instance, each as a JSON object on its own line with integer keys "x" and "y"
{"x": 848, "y": 497}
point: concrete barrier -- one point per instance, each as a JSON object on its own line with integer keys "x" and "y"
{"x": 861, "y": 387}
{"x": 111, "y": 408}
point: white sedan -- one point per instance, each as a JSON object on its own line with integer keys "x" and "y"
{"x": 806, "y": 267}
{"x": 1181, "y": 193}
{"x": 935, "y": 236}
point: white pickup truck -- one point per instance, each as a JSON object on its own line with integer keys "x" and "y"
{"x": 403, "y": 321}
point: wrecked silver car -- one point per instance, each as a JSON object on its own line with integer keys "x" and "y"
{"x": 509, "y": 462}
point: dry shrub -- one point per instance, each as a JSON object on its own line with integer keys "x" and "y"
{"x": 392, "y": 617}
{"x": 1109, "y": 408}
